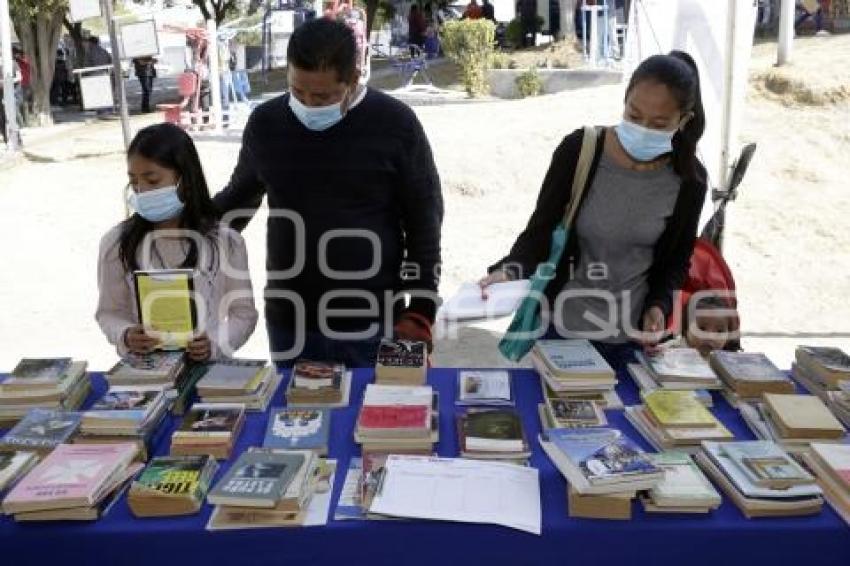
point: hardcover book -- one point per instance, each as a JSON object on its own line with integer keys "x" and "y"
{"x": 766, "y": 464}
{"x": 602, "y": 454}
{"x": 497, "y": 430}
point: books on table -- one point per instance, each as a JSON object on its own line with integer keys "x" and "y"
{"x": 675, "y": 420}
{"x": 748, "y": 375}
{"x": 314, "y": 510}
{"x": 606, "y": 399}
{"x": 839, "y": 403}
{"x": 13, "y": 466}
{"x": 572, "y": 365}
{"x": 571, "y": 413}
{"x": 45, "y": 383}
{"x": 611, "y": 506}
{"x": 646, "y": 384}
{"x": 209, "y": 428}
{"x": 829, "y": 366}
{"x": 304, "y": 429}
{"x": 318, "y": 384}
{"x": 265, "y": 487}
{"x": 252, "y": 383}
{"x": 754, "y": 500}
{"x": 681, "y": 367}
{"x": 124, "y": 411}
{"x": 803, "y": 417}
{"x": 600, "y": 460}
{"x": 401, "y": 362}
{"x": 831, "y": 465}
{"x": 156, "y": 368}
{"x": 765, "y": 464}
{"x": 42, "y": 430}
{"x": 484, "y": 387}
{"x": 398, "y": 417}
{"x": 468, "y": 304}
{"x": 684, "y": 488}
{"x": 492, "y": 434}
{"x": 259, "y": 478}
{"x": 72, "y": 482}
{"x": 457, "y": 489}
{"x": 172, "y": 485}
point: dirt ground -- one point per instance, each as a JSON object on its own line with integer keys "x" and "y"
{"x": 787, "y": 238}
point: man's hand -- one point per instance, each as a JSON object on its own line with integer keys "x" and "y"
{"x": 199, "y": 348}
{"x": 138, "y": 341}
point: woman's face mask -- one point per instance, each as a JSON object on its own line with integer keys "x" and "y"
{"x": 644, "y": 144}
{"x": 156, "y": 205}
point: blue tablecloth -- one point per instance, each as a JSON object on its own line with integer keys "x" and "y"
{"x": 724, "y": 537}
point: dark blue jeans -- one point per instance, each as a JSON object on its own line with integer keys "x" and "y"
{"x": 353, "y": 353}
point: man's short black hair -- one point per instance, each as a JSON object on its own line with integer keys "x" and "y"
{"x": 93, "y": 39}
{"x": 323, "y": 45}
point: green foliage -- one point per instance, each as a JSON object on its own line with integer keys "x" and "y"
{"x": 500, "y": 60}
{"x": 470, "y": 44}
{"x": 513, "y": 33}
{"x": 529, "y": 83}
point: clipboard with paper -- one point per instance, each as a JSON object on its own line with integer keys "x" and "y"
{"x": 166, "y": 306}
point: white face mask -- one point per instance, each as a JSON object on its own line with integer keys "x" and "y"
{"x": 157, "y": 205}
{"x": 317, "y": 118}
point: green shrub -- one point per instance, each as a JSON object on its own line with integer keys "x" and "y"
{"x": 470, "y": 44}
{"x": 513, "y": 33}
{"x": 529, "y": 83}
{"x": 500, "y": 60}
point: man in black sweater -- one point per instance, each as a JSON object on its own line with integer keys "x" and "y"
{"x": 355, "y": 207}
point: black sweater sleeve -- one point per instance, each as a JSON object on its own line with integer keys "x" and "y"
{"x": 532, "y": 245}
{"x": 421, "y": 202}
{"x": 243, "y": 195}
{"x": 676, "y": 246}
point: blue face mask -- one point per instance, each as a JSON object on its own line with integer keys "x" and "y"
{"x": 316, "y": 118}
{"x": 157, "y": 205}
{"x": 644, "y": 144}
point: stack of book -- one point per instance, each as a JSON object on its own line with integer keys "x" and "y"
{"x": 831, "y": 465}
{"x": 74, "y": 482}
{"x": 748, "y": 376}
{"x": 264, "y": 488}
{"x": 839, "y": 403}
{"x": 125, "y": 414}
{"x": 574, "y": 370}
{"x": 680, "y": 369}
{"x": 646, "y": 384}
{"x": 489, "y": 388}
{"x": 46, "y": 383}
{"x": 172, "y": 485}
{"x": 793, "y": 421}
{"x": 684, "y": 489}
{"x": 401, "y": 362}
{"x": 570, "y": 413}
{"x": 604, "y": 470}
{"x": 761, "y": 479}
{"x": 42, "y": 430}
{"x": 821, "y": 368}
{"x": 675, "y": 420}
{"x": 318, "y": 384}
{"x": 299, "y": 429}
{"x": 209, "y": 428}
{"x": 398, "y": 419}
{"x": 249, "y": 382}
{"x": 492, "y": 434}
{"x": 164, "y": 368}
{"x": 14, "y": 466}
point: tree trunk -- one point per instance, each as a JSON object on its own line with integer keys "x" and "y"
{"x": 39, "y": 37}
{"x": 568, "y": 27}
{"x": 371, "y": 11}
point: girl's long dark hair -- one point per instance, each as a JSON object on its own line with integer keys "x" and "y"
{"x": 170, "y": 147}
{"x": 678, "y": 72}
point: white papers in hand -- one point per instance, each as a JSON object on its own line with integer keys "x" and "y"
{"x": 467, "y": 304}
{"x": 455, "y": 489}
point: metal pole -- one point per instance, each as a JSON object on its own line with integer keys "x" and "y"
{"x": 8, "y": 77}
{"x": 215, "y": 77}
{"x": 120, "y": 91}
{"x": 786, "y": 32}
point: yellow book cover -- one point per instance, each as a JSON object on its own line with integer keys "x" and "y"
{"x": 166, "y": 308}
{"x": 678, "y": 409}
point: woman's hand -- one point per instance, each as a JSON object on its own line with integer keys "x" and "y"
{"x": 199, "y": 348}
{"x": 498, "y": 276}
{"x": 138, "y": 341}
{"x": 654, "y": 323}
